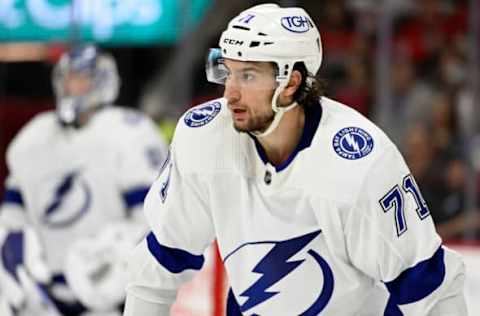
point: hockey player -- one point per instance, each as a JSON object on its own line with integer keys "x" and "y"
{"x": 77, "y": 180}
{"x": 313, "y": 207}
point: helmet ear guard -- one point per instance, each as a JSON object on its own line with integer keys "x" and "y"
{"x": 269, "y": 33}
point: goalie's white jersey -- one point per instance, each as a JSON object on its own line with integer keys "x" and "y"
{"x": 70, "y": 183}
{"x": 316, "y": 235}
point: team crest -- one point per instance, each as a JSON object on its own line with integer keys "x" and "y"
{"x": 352, "y": 143}
{"x": 70, "y": 201}
{"x": 202, "y": 115}
{"x": 275, "y": 270}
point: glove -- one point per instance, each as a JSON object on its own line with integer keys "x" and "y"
{"x": 5, "y": 308}
{"x": 12, "y": 257}
{"x": 95, "y": 267}
{"x": 22, "y": 269}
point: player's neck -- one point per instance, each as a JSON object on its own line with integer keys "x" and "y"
{"x": 280, "y": 144}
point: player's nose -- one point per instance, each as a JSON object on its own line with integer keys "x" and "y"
{"x": 231, "y": 93}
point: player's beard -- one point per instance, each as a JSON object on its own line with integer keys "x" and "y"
{"x": 257, "y": 123}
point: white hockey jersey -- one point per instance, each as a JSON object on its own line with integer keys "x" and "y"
{"x": 314, "y": 236}
{"x": 69, "y": 183}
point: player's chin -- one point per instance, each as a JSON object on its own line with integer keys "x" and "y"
{"x": 246, "y": 127}
{"x": 241, "y": 127}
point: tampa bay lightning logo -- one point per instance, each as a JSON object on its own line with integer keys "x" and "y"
{"x": 277, "y": 265}
{"x": 57, "y": 214}
{"x": 352, "y": 143}
{"x": 203, "y": 114}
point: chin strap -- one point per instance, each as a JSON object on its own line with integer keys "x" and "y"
{"x": 278, "y": 113}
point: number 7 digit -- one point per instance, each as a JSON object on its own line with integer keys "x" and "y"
{"x": 394, "y": 198}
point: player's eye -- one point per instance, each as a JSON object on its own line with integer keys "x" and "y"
{"x": 247, "y": 76}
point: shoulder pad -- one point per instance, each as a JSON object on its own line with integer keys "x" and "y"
{"x": 122, "y": 125}
{"x": 33, "y": 135}
{"x": 205, "y": 139}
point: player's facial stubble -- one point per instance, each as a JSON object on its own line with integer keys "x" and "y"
{"x": 255, "y": 121}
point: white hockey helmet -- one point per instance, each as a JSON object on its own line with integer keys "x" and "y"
{"x": 269, "y": 33}
{"x": 104, "y": 81}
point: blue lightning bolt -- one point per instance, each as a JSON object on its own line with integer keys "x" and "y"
{"x": 62, "y": 190}
{"x": 274, "y": 267}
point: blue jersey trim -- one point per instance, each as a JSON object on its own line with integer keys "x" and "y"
{"x": 416, "y": 283}
{"x": 233, "y": 309}
{"x": 13, "y": 196}
{"x": 135, "y": 196}
{"x": 174, "y": 260}
{"x": 67, "y": 307}
{"x": 58, "y": 279}
{"x": 313, "y": 114}
{"x": 392, "y": 309}
{"x": 12, "y": 253}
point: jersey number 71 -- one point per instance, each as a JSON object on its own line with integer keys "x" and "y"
{"x": 395, "y": 199}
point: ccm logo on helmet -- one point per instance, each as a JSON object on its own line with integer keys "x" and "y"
{"x": 232, "y": 41}
{"x": 297, "y": 24}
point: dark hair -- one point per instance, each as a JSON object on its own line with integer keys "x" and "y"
{"x": 311, "y": 88}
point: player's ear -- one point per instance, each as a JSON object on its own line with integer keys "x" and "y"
{"x": 286, "y": 96}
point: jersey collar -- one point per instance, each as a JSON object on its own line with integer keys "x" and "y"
{"x": 313, "y": 115}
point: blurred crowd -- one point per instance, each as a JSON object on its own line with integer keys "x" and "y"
{"x": 428, "y": 111}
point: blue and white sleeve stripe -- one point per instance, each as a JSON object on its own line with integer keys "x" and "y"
{"x": 172, "y": 259}
{"x": 135, "y": 196}
{"x": 13, "y": 196}
{"x": 416, "y": 283}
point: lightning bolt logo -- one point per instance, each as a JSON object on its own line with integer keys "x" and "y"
{"x": 203, "y": 112}
{"x": 60, "y": 194}
{"x": 274, "y": 267}
{"x": 200, "y": 116}
{"x": 352, "y": 142}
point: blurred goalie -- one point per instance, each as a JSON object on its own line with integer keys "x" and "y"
{"x": 76, "y": 184}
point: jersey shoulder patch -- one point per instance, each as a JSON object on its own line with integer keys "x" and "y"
{"x": 205, "y": 139}
{"x": 351, "y": 136}
{"x": 352, "y": 143}
{"x": 202, "y": 114}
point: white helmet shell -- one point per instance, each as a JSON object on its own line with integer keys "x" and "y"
{"x": 270, "y": 33}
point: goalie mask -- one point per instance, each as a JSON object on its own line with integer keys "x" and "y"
{"x": 268, "y": 33}
{"x": 84, "y": 79}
